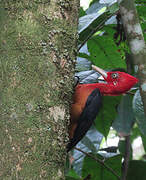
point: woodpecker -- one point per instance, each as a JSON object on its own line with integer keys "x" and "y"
{"x": 87, "y": 101}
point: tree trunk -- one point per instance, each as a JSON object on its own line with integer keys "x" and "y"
{"x": 136, "y": 42}
{"x": 38, "y": 48}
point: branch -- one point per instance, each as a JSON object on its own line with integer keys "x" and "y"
{"x": 99, "y": 161}
{"x": 136, "y": 43}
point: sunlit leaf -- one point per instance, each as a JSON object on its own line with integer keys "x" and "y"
{"x": 95, "y": 7}
{"x": 90, "y": 22}
{"x": 87, "y": 20}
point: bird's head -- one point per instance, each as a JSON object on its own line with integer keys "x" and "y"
{"x": 119, "y": 82}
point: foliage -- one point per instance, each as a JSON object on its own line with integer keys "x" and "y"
{"x": 97, "y": 32}
{"x": 136, "y": 170}
{"x": 99, "y": 172}
{"x": 125, "y": 117}
{"x": 107, "y": 114}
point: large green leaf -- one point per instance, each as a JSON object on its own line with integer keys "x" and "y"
{"x": 99, "y": 172}
{"x": 125, "y": 118}
{"x": 139, "y": 112}
{"x": 137, "y": 170}
{"x": 71, "y": 175}
{"x": 97, "y": 14}
{"x": 104, "y": 52}
{"x": 107, "y": 114}
{"x": 88, "y": 23}
{"x": 95, "y": 6}
{"x": 93, "y": 2}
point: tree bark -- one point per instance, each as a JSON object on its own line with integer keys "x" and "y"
{"x": 136, "y": 42}
{"x": 38, "y": 49}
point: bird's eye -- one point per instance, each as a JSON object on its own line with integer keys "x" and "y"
{"x": 114, "y": 75}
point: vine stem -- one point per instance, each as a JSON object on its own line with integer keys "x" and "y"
{"x": 99, "y": 161}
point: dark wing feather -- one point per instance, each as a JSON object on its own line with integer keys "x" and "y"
{"x": 87, "y": 117}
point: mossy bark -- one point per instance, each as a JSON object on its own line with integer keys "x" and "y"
{"x": 136, "y": 42}
{"x": 38, "y": 49}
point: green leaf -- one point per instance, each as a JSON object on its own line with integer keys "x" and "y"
{"x": 71, "y": 178}
{"x": 82, "y": 12}
{"x": 141, "y": 11}
{"x": 113, "y": 8}
{"x": 136, "y": 170}
{"x": 90, "y": 22}
{"x": 142, "y": 16}
{"x": 122, "y": 148}
{"x": 84, "y": 55}
{"x": 125, "y": 118}
{"x": 89, "y": 144}
{"x": 104, "y": 52}
{"x": 144, "y": 29}
{"x": 107, "y": 114}
{"x": 95, "y": 7}
{"x": 139, "y": 112}
{"x": 98, "y": 171}
{"x": 72, "y": 175}
{"x": 93, "y": 2}
{"x": 82, "y": 63}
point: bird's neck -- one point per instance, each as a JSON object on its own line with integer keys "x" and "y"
{"x": 105, "y": 89}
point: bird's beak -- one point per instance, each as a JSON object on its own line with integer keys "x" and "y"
{"x": 100, "y": 71}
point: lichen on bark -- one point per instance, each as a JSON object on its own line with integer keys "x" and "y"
{"x": 37, "y": 64}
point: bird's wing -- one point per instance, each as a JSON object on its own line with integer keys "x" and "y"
{"x": 91, "y": 109}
